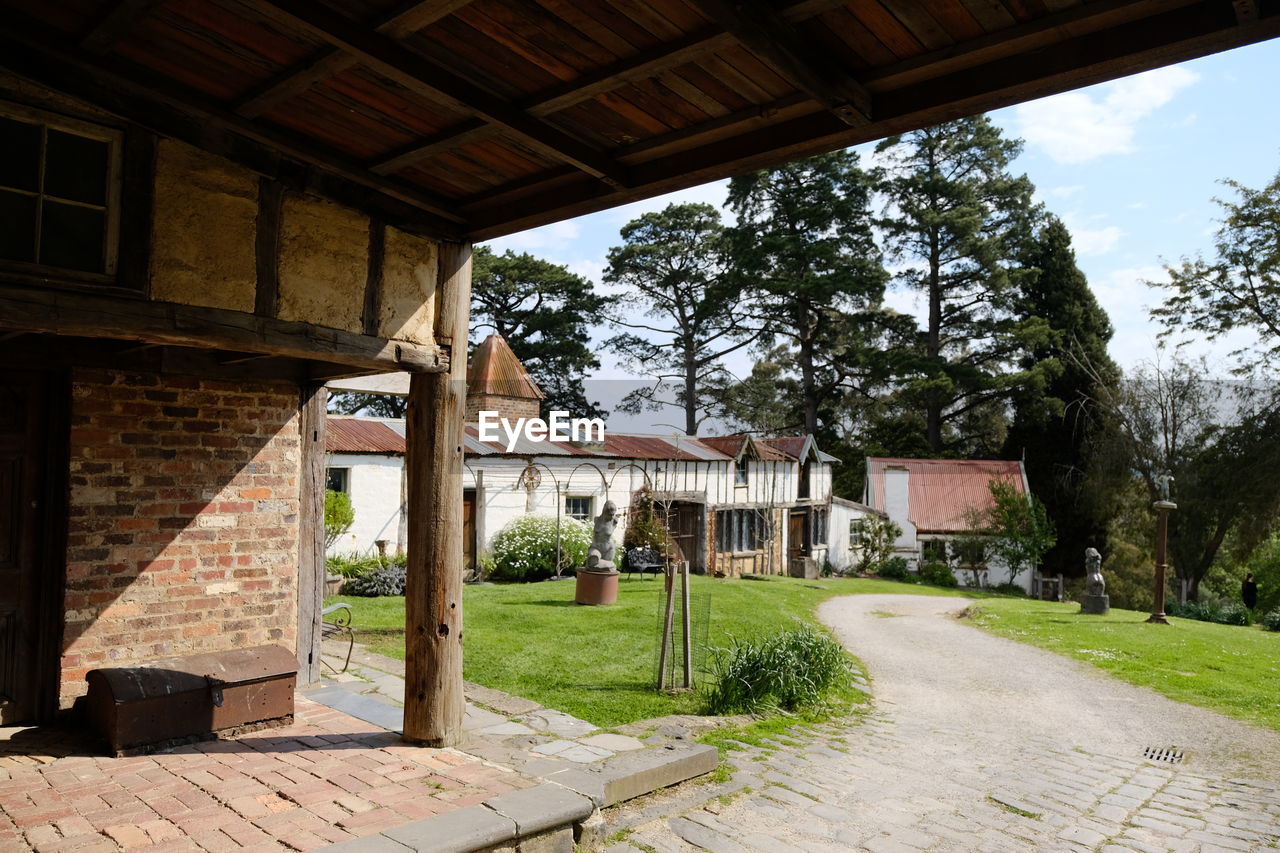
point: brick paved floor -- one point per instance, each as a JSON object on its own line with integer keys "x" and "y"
{"x": 329, "y": 777}
{"x": 982, "y": 744}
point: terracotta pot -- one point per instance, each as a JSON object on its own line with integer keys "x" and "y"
{"x": 596, "y": 587}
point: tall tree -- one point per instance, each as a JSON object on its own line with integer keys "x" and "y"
{"x": 804, "y": 252}
{"x": 1240, "y": 288}
{"x": 955, "y": 219}
{"x": 1217, "y": 440}
{"x": 545, "y": 313}
{"x": 1051, "y": 432}
{"x": 673, "y": 264}
{"x": 374, "y": 405}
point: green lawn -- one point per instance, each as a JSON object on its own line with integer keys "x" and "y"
{"x": 599, "y": 663}
{"x": 1227, "y": 668}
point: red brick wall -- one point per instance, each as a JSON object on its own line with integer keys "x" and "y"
{"x": 183, "y": 528}
{"x": 506, "y": 407}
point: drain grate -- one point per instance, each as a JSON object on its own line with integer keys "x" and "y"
{"x": 1169, "y": 754}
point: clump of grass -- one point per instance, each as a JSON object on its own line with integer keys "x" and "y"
{"x": 787, "y": 671}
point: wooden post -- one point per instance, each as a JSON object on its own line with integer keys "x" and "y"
{"x": 311, "y": 562}
{"x": 1162, "y": 562}
{"x": 433, "y": 701}
{"x": 688, "y": 624}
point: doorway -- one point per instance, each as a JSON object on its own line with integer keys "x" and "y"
{"x": 29, "y": 627}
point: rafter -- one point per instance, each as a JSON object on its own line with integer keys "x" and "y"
{"x": 116, "y": 23}
{"x": 330, "y": 62}
{"x": 468, "y": 131}
{"x": 169, "y": 109}
{"x": 772, "y": 37}
{"x": 413, "y": 71}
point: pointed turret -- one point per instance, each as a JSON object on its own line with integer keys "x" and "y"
{"x": 498, "y": 382}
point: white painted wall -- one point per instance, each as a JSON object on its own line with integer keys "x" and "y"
{"x": 373, "y": 481}
{"x": 840, "y": 551}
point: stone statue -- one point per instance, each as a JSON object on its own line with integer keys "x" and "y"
{"x": 600, "y": 555}
{"x": 1162, "y": 483}
{"x": 1095, "y": 600}
{"x": 1093, "y": 580}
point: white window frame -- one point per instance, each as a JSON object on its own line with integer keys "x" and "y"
{"x": 591, "y": 506}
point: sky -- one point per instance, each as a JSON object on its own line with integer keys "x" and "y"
{"x": 1131, "y": 166}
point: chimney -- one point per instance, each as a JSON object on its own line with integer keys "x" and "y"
{"x": 897, "y": 502}
{"x": 498, "y": 382}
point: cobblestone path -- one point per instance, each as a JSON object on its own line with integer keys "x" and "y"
{"x": 978, "y": 743}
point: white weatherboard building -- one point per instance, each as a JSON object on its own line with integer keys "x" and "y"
{"x": 931, "y": 499}
{"x": 733, "y": 504}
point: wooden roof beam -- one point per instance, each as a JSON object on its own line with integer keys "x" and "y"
{"x": 771, "y": 37}
{"x": 468, "y": 131}
{"x": 415, "y": 72}
{"x": 330, "y": 62}
{"x": 652, "y": 62}
{"x": 116, "y": 23}
{"x": 35, "y": 51}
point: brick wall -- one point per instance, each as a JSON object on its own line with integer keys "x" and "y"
{"x": 506, "y": 407}
{"x": 183, "y": 527}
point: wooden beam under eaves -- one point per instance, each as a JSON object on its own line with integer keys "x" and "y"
{"x": 116, "y": 23}
{"x": 417, "y": 73}
{"x": 404, "y": 21}
{"x": 770, "y": 36}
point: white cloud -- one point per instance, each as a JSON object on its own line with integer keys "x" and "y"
{"x": 558, "y": 235}
{"x": 1092, "y": 241}
{"x": 1066, "y": 192}
{"x": 1075, "y": 127}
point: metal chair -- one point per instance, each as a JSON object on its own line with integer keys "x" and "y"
{"x": 337, "y": 628}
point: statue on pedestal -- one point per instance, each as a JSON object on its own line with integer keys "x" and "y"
{"x": 1095, "y": 600}
{"x": 600, "y": 555}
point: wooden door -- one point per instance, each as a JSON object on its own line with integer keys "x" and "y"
{"x": 22, "y": 430}
{"x": 468, "y": 530}
{"x": 797, "y": 546}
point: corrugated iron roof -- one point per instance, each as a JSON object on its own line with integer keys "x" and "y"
{"x": 361, "y": 435}
{"x": 494, "y": 369}
{"x": 941, "y": 491}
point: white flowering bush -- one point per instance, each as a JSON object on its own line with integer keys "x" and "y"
{"x": 525, "y": 550}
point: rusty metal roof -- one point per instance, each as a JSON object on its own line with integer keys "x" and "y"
{"x": 941, "y": 491}
{"x": 494, "y": 369}
{"x": 361, "y": 435}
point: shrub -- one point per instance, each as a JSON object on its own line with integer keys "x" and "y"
{"x": 896, "y": 569}
{"x": 338, "y": 515}
{"x": 385, "y": 581}
{"x": 1209, "y": 609}
{"x": 877, "y": 537}
{"x": 525, "y": 550}
{"x": 788, "y": 671}
{"x": 355, "y": 565}
{"x": 1271, "y": 621}
{"x": 1010, "y": 588}
{"x": 938, "y": 574}
{"x": 645, "y": 526}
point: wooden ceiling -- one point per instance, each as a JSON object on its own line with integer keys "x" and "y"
{"x": 469, "y": 119}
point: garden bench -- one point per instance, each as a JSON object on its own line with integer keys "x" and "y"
{"x": 335, "y": 624}
{"x": 644, "y": 559}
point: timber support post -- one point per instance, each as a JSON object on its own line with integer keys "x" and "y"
{"x": 433, "y": 702}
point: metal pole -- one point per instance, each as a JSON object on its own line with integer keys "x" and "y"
{"x": 1162, "y": 565}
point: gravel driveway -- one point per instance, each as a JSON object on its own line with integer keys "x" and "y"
{"x": 982, "y": 743}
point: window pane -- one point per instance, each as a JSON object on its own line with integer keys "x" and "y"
{"x": 17, "y": 227}
{"x": 19, "y": 154}
{"x": 71, "y": 237}
{"x": 76, "y": 168}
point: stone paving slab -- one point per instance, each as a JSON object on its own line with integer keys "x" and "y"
{"x": 924, "y": 772}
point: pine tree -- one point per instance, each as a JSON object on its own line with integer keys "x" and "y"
{"x": 545, "y": 313}
{"x": 1052, "y": 430}
{"x": 804, "y": 253}
{"x": 673, "y": 266}
{"x": 955, "y": 219}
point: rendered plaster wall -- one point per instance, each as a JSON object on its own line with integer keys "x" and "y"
{"x": 373, "y": 483}
{"x": 205, "y": 223}
{"x": 324, "y": 263}
{"x": 410, "y": 270}
{"x": 183, "y": 519}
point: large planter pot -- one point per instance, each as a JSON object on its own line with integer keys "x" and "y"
{"x": 596, "y": 587}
